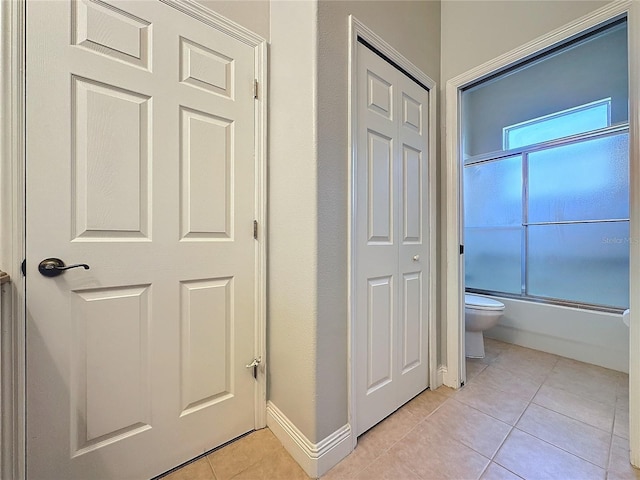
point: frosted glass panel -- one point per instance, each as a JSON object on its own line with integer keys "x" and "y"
{"x": 493, "y": 193}
{"x": 581, "y": 262}
{"x": 492, "y": 258}
{"x": 582, "y": 181}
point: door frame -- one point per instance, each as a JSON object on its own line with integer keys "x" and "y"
{"x": 357, "y": 29}
{"x": 12, "y": 218}
{"x": 455, "y": 374}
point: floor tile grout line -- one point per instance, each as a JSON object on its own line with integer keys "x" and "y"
{"x": 488, "y": 414}
{"x": 484, "y": 470}
{"x": 386, "y": 450}
{"x": 572, "y": 418}
{"x": 490, "y": 459}
{"x": 511, "y": 427}
{"x": 611, "y": 439}
{"x": 507, "y": 469}
{"x": 610, "y": 452}
{"x": 530, "y": 402}
{"x": 571, "y": 393}
{"x": 504, "y": 440}
{"x": 425, "y": 419}
{"x": 419, "y": 423}
{"x": 459, "y": 441}
{"x": 518, "y": 374}
{"x": 560, "y": 448}
{"x": 515, "y": 425}
{"x": 588, "y": 397}
{"x": 215, "y": 476}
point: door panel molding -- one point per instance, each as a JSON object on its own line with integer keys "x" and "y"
{"x": 12, "y": 214}
{"x": 357, "y": 30}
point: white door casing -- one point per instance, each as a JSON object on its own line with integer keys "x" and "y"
{"x": 392, "y": 239}
{"x": 141, "y": 162}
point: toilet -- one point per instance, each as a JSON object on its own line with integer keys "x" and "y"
{"x": 480, "y": 313}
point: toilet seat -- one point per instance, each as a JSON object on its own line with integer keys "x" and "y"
{"x": 482, "y": 303}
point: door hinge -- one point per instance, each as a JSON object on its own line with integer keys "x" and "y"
{"x": 255, "y": 89}
{"x": 23, "y": 267}
{"x": 461, "y": 249}
{"x": 254, "y": 365}
{"x": 255, "y": 229}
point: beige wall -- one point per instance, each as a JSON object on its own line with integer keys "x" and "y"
{"x": 292, "y": 211}
{"x": 474, "y": 32}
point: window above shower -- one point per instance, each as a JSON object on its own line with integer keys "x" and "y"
{"x": 546, "y": 176}
{"x": 573, "y": 121}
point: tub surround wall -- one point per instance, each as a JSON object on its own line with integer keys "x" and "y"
{"x": 593, "y": 337}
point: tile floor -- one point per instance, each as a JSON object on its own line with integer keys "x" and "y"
{"x": 523, "y": 414}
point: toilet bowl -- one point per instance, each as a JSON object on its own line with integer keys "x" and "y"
{"x": 480, "y": 313}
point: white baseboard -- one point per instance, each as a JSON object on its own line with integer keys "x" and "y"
{"x": 450, "y": 379}
{"x": 316, "y": 459}
{"x": 440, "y": 376}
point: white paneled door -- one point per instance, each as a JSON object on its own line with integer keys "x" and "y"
{"x": 392, "y": 239}
{"x": 141, "y": 164}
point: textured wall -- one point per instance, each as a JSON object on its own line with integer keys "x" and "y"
{"x": 474, "y": 32}
{"x": 293, "y": 213}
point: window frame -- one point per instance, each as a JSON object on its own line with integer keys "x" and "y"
{"x": 524, "y": 152}
{"x": 563, "y": 113}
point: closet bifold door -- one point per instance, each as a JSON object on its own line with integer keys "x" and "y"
{"x": 391, "y": 242}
